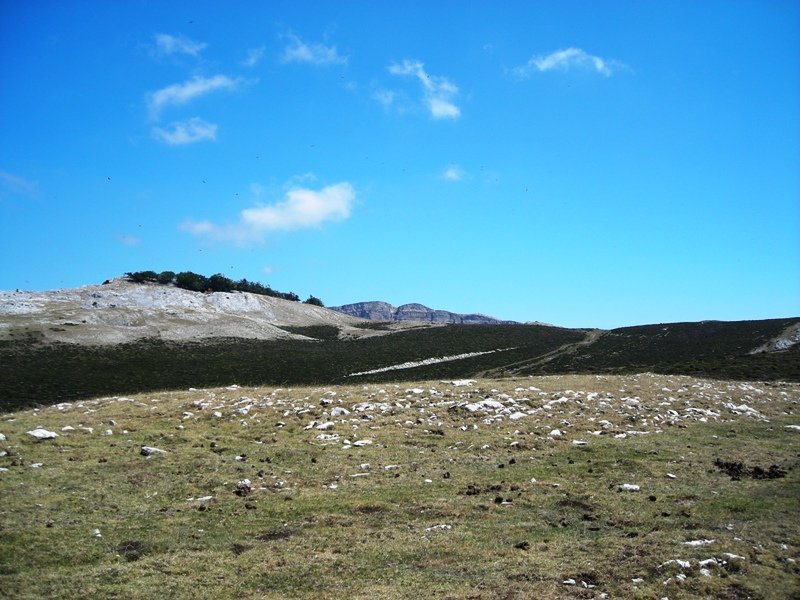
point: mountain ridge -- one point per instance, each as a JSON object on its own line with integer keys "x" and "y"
{"x": 377, "y": 310}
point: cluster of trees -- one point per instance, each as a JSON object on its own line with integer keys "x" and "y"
{"x": 188, "y": 280}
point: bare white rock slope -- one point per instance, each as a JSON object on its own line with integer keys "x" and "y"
{"x": 120, "y": 311}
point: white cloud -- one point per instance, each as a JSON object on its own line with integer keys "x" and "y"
{"x": 267, "y": 270}
{"x": 302, "y": 208}
{"x": 186, "y": 132}
{"x": 183, "y": 93}
{"x": 438, "y": 92}
{"x": 316, "y": 54}
{"x": 167, "y": 45}
{"x": 18, "y": 185}
{"x": 566, "y": 59}
{"x": 453, "y": 173}
{"x": 254, "y": 56}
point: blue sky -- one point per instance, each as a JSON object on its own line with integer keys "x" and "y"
{"x": 593, "y": 164}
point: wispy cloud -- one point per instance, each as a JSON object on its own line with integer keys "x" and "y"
{"x": 18, "y": 185}
{"x": 186, "y": 132}
{"x": 565, "y": 60}
{"x": 316, "y": 54}
{"x": 301, "y": 208}
{"x": 384, "y": 97}
{"x": 438, "y": 92}
{"x": 128, "y": 240}
{"x": 254, "y": 56}
{"x": 168, "y": 45}
{"x": 453, "y": 173}
{"x": 183, "y": 93}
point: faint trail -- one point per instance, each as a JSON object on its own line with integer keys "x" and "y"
{"x": 515, "y": 368}
{"x": 428, "y": 361}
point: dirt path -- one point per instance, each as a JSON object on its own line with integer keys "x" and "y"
{"x": 515, "y": 368}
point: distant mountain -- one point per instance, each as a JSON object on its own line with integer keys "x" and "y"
{"x": 383, "y": 311}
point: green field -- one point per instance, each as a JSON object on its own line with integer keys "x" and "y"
{"x": 459, "y": 499}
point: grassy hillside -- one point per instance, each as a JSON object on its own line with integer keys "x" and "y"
{"x": 446, "y": 496}
{"x": 711, "y": 348}
{"x": 32, "y": 373}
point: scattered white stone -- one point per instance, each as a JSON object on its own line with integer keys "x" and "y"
{"x": 569, "y": 582}
{"x": 68, "y": 428}
{"x": 795, "y": 427}
{"x": 3, "y": 470}
{"x": 244, "y": 486}
{"x": 391, "y": 467}
{"x": 216, "y": 414}
{"x": 150, "y": 451}
{"x": 580, "y": 443}
{"x": 108, "y": 432}
{"x": 671, "y": 476}
{"x": 462, "y": 382}
{"x": 338, "y": 411}
{"x": 36, "y": 466}
{"x": 96, "y": 533}
{"x": 362, "y": 443}
{"x": 325, "y": 426}
{"x": 328, "y": 437}
{"x": 2, "y": 437}
{"x": 629, "y": 487}
{"x": 730, "y": 556}
{"x": 556, "y": 433}
{"x": 442, "y": 527}
{"x": 42, "y": 434}
{"x": 696, "y": 543}
{"x": 637, "y": 581}
{"x": 205, "y": 498}
{"x": 709, "y": 562}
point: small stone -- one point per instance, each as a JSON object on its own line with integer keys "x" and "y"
{"x": 696, "y": 543}
{"x": 41, "y": 433}
{"x": 629, "y": 487}
{"x": 150, "y": 451}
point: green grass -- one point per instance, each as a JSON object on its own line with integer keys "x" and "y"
{"x": 369, "y": 535}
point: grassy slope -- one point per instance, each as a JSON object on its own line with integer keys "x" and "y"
{"x": 33, "y": 374}
{"x": 711, "y": 349}
{"x": 298, "y": 536}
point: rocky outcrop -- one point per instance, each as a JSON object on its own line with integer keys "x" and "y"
{"x": 383, "y": 311}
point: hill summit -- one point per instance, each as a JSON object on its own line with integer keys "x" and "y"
{"x": 383, "y": 311}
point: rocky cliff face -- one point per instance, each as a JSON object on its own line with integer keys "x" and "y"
{"x": 383, "y": 311}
